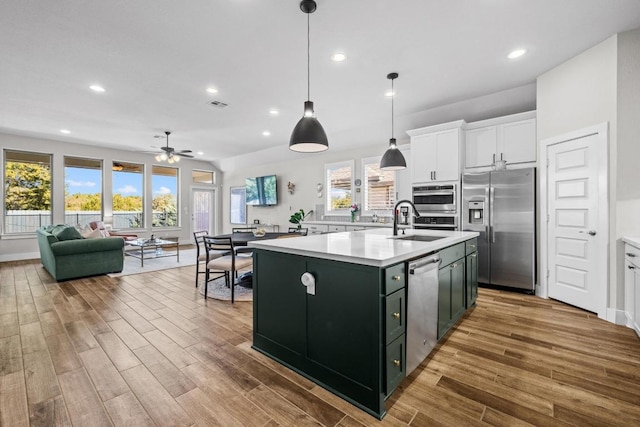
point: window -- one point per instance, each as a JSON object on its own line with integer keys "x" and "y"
{"x": 128, "y": 199}
{"x": 82, "y": 190}
{"x": 238, "y": 203}
{"x": 203, "y": 177}
{"x": 339, "y": 185}
{"x": 27, "y": 179}
{"x": 379, "y": 186}
{"x": 164, "y": 184}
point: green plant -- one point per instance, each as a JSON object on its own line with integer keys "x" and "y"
{"x": 297, "y": 218}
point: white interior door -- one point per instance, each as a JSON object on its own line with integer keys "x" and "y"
{"x": 576, "y": 233}
{"x": 203, "y": 210}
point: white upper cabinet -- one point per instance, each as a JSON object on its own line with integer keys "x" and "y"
{"x": 435, "y": 152}
{"x": 510, "y": 138}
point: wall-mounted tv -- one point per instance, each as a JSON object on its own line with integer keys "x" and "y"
{"x": 262, "y": 191}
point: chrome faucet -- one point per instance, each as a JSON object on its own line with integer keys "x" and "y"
{"x": 395, "y": 214}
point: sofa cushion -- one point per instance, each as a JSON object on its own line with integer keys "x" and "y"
{"x": 66, "y": 232}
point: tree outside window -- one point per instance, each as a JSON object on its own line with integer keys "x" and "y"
{"x": 164, "y": 181}
{"x": 128, "y": 199}
{"x": 82, "y": 190}
{"x": 339, "y": 185}
{"x": 27, "y": 178}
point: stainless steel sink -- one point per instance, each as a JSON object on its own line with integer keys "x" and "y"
{"x": 419, "y": 238}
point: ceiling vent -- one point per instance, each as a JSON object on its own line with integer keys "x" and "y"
{"x": 218, "y": 104}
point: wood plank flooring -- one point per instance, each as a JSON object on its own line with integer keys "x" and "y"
{"x": 147, "y": 349}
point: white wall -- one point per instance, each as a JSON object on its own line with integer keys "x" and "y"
{"x": 305, "y": 173}
{"x": 602, "y": 85}
{"x": 26, "y": 247}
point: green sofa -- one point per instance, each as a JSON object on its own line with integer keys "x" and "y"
{"x": 67, "y": 255}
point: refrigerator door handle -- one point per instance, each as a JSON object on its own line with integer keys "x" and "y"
{"x": 491, "y": 201}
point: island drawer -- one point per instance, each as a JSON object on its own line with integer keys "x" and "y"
{"x": 394, "y": 324}
{"x": 395, "y": 369}
{"x": 451, "y": 254}
{"x": 471, "y": 246}
{"x": 394, "y": 278}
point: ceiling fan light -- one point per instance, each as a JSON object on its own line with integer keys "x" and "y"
{"x": 163, "y": 156}
{"x": 176, "y": 158}
{"x": 170, "y": 160}
{"x": 158, "y": 158}
{"x": 393, "y": 160}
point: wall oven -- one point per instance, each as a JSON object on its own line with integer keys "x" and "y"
{"x": 444, "y": 223}
{"x": 435, "y": 198}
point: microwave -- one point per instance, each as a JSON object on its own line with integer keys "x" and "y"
{"x": 435, "y": 198}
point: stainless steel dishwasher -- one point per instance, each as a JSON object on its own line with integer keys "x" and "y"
{"x": 422, "y": 309}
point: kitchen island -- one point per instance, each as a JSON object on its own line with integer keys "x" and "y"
{"x": 333, "y": 306}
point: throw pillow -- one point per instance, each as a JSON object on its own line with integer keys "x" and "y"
{"x": 66, "y": 232}
{"x": 93, "y": 234}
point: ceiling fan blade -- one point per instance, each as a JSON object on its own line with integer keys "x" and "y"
{"x": 184, "y": 151}
{"x": 185, "y": 155}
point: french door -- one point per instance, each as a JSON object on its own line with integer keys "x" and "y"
{"x": 203, "y": 210}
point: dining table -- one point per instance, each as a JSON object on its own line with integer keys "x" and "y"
{"x": 241, "y": 238}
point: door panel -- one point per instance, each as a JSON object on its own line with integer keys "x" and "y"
{"x": 512, "y": 235}
{"x": 475, "y": 188}
{"x": 203, "y": 210}
{"x": 573, "y": 203}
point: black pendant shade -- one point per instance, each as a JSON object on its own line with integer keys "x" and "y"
{"x": 392, "y": 160}
{"x": 308, "y": 136}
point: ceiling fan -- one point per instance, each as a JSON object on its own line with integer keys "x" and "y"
{"x": 170, "y": 154}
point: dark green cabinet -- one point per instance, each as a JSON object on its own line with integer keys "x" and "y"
{"x": 348, "y": 336}
{"x": 471, "y": 274}
{"x": 451, "y": 295}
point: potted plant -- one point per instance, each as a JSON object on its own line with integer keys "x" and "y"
{"x": 298, "y": 217}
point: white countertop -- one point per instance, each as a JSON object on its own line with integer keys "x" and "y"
{"x": 357, "y": 223}
{"x": 375, "y": 247}
{"x": 632, "y": 240}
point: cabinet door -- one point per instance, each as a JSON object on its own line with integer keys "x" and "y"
{"x": 281, "y": 298}
{"x": 423, "y": 155}
{"x": 636, "y": 316}
{"x": 471, "y": 279}
{"x": 447, "y": 155}
{"x": 444, "y": 300}
{"x": 337, "y": 228}
{"x": 458, "y": 284}
{"x": 517, "y": 142}
{"x": 403, "y": 178}
{"x": 343, "y": 320}
{"x": 480, "y": 146}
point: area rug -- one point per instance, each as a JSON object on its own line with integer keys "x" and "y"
{"x": 218, "y": 290}
{"x": 132, "y": 264}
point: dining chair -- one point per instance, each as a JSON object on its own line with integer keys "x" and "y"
{"x": 300, "y": 231}
{"x": 201, "y": 253}
{"x": 230, "y": 263}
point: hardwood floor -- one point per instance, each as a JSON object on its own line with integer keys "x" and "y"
{"x": 148, "y": 350}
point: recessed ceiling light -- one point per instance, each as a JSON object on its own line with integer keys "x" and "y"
{"x": 212, "y": 90}
{"x": 274, "y": 112}
{"x": 97, "y": 88}
{"x": 65, "y": 131}
{"x": 516, "y": 53}
{"x": 199, "y": 153}
{"x": 389, "y": 94}
{"x": 266, "y": 133}
{"x": 338, "y": 57}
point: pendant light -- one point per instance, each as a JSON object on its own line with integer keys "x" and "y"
{"x": 308, "y": 136}
{"x": 392, "y": 160}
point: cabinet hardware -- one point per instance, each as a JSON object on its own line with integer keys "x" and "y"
{"x": 396, "y": 315}
{"x": 631, "y": 267}
{"x": 501, "y": 154}
{"x": 494, "y": 158}
{"x": 454, "y": 265}
{"x": 630, "y": 254}
{"x": 472, "y": 246}
{"x": 396, "y": 362}
{"x": 473, "y": 255}
{"x": 396, "y": 278}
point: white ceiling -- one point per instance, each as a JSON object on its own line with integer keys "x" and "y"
{"x": 156, "y": 58}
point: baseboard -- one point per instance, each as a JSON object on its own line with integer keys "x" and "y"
{"x": 20, "y": 257}
{"x": 614, "y": 315}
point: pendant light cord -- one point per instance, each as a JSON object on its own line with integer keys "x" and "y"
{"x": 308, "y": 60}
{"x": 393, "y": 95}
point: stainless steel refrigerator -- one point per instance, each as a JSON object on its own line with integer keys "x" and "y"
{"x": 501, "y": 206}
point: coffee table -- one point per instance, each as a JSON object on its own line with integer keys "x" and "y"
{"x": 150, "y": 249}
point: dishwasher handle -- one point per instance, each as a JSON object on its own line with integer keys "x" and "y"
{"x": 426, "y": 264}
